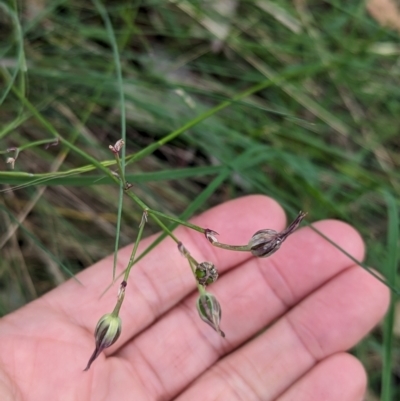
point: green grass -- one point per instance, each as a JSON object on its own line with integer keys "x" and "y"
{"x": 299, "y": 103}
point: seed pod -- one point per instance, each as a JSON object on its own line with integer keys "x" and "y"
{"x": 210, "y": 311}
{"x": 107, "y": 331}
{"x": 265, "y": 242}
{"x": 206, "y": 273}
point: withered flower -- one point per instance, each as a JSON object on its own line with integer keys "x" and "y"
{"x": 11, "y": 161}
{"x": 183, "y": 251}
{"x": 210, "y": 311}
{"x": 206, "y": 273}
{"x": 107, "y": 331}
{"x": 265, "y": 242}
{"x": 211, "y": 235}
{"x": 53, "y": 143}
{"x": 117, "y": 146}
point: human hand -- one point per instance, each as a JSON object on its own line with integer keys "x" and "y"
{"x": 316, "y": 301}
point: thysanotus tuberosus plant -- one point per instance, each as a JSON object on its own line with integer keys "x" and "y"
{"x": 262, "y": 244}
{"x": 297, "y": 100}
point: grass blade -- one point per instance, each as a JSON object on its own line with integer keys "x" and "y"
{"x": 390, "y": 267}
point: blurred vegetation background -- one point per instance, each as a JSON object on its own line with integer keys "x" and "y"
{"x": 299, "y": 100}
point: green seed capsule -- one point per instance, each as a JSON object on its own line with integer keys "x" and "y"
{"x": 107, "y": 331}
{"x": 210, "y": 311}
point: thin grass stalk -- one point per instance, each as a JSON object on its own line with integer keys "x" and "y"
{"x": 21, "y": 52}
{"x": 116, "y": 56}
{"x": 71, "y": 177}
{"x": 390, "y": 265}
{"x": 361, "y": 264}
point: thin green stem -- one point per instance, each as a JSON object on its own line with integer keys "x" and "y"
{"x": 29, "y": 145}
{"x": 239, "y": 248}
{"x": 120, "y": 300}
{"x": 122, "y": 186}
{"x": 121, "y": 165}
{"x": 121, "y": 171}
{"x": 363, "y": 265}
{"x": 141, "y": 204}
{"x": 145, "y": 208}
{"x": 111, "y": 34}
{"x": 165, "y": 229}
{"x": 193, "y": 265}
{"x": 176, "y": 220}
{"x": 21, "y": 52}
{"x": 56, "y": 135}
{"x": 135, "y": 247}
{"x": 391, "y": 265}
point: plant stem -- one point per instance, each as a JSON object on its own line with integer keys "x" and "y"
{"x": 121, "y": 297}
{"x": 135, "y": 247}
{"x": 193, "y": 264}
{"x": 176, "y": 220}
{"x": 240, "y": 248}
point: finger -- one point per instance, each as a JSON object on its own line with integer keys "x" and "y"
{"x": 330, "y": 320}
{"x": 163, "y": 277}
{"x": 339, "y": 377}
{"x": 249, "y": 303}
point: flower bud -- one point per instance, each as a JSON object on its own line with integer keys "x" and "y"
{"x": 210, "y": 311}
{"x": 106, "y": 333}
{"x": 206, "y": 273}
{"x": 265, "y": 242}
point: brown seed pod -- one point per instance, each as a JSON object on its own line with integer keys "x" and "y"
{"x": 206, "y": 273}
{"x": 265, "y": 242}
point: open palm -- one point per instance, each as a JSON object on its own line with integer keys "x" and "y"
{"x": 314, "y": 301}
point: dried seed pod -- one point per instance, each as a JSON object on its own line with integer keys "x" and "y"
{"x": 206, "y": 273}
{"x": 107, "y": 331}
{"x": 265, "y": 242}
{"x": 210, "y": 311}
